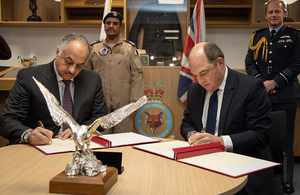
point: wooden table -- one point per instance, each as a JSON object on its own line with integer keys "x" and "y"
{"x": 26, "y": 170}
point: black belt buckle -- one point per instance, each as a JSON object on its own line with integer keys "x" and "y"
{"x": 269, "y": 69}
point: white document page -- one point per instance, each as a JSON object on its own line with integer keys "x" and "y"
{"x": 59, "y": 146}
{"x": 229, "y": 163}
{"x": 163, "y": 148}
{"x": 129, "y": 138}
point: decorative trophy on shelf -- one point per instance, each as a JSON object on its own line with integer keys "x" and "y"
{"x": 84, "y": 162}
{"x": 33, "y": 8}
{"x": 26, "y": 61}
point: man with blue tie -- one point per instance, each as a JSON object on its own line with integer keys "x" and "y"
{"x": 274, "y": 57}
{"x": 241, "y": 114}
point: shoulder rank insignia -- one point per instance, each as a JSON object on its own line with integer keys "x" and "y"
{"x": 130, "y": 42}
{"x": 292, "y": 28}
{"x": 98, "y": 41}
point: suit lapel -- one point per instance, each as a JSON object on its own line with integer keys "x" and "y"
{"x": 199, "y": 106}
{"x": 227, "y": 97}
{"x": 51, "y": 80}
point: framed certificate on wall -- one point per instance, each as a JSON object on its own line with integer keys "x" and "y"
{"x": 145, "y": 59}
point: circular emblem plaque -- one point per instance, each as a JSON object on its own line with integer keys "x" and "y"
{"x": 154, "y": 120}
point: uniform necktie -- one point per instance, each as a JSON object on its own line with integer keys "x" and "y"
{"x": 68, "y": 105}
{"x": 273, "y": 33}
{"x": 212, "y": 113}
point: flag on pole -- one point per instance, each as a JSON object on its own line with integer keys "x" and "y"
{"x": 107, "y": 9}
{"x": 196, "y": 34}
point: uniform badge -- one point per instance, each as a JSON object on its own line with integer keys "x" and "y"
{"x": 103, "y": 51}
{"x": 136, "y": 52}
{"x": 285, "y": 37}
{"x": 119, "y": 51}
{"x": 285, "y": 41}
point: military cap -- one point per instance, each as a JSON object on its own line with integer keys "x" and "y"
{"x": 113, "y": 14}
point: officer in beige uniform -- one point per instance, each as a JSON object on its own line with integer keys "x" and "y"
{"x": 120, "y": 68}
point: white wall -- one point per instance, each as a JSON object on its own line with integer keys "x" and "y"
{"x": 42, "y": 42}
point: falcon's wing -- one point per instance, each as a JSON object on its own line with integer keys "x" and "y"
{"x": 58, "y": 114}
{"x": 117, "y": 116}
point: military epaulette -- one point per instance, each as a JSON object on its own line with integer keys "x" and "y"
{"x": 130, "y": 42}
{"x": 98, "y": 41}
{"x": 260, "y": 30}
{"x": 293, "y": 28}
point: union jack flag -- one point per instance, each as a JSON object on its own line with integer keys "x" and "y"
{"x": 196, "y": 34}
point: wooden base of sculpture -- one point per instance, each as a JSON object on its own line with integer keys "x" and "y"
{"x": 82, "y": 184}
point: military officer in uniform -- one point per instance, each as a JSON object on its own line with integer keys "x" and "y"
{"x": 274, "y": 57}
{"x": 120, "y": 68}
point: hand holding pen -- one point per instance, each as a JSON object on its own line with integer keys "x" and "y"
{"x": 204, "y": 138}
{"x": 40, "y": 135}
{"x": 203, "y": 130}
{"x": 42, "y": 125}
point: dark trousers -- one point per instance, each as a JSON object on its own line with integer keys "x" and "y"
{"x": 290, "y": 109}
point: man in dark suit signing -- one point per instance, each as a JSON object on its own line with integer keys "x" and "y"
{"x": 242, "y": 113}
{"x": 26, "y": 106}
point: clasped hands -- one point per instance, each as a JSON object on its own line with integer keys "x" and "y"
{"x": 204, "y": 138}
{"x": 270, "y": 86}
{"x": 41, "y": 136}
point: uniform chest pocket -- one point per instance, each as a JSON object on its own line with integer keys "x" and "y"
{"x": 283, "y": 51}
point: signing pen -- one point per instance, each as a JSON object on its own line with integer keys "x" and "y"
{"x": 42, "y": 125}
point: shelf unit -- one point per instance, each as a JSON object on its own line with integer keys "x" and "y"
{"x": 68, "y": 13}
{"x": 77, "y": 13}
{"x": 248, "y": 14}
{"x": 225, "y": 15}
{"x": 15, "y": 13}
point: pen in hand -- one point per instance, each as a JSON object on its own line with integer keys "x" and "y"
{"x": 203, "y": 130}
{"x": 42, "y": 125}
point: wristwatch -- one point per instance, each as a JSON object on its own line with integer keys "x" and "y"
{"x": 26, "y": 136}
{"x": 190, "y": 134}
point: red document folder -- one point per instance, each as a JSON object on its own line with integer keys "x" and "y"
{"x": 185, "y": 152}
{"x": 123, "y": 139}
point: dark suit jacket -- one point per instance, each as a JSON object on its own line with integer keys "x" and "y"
{"x": 284, "y": 59}
{"x": 245, "y": 112}
{"x": 25, "y": 105}
{"x": 244, "y": 116}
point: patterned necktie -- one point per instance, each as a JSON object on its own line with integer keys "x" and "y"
{"x": 68, "y": 105}
{"x": 273, "y": 33}
{"x": 212, "y": 113}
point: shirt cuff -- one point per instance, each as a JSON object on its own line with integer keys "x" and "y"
{"x": 227, "y": 143}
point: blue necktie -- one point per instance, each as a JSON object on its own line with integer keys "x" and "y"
{"x": 212, "y": 113}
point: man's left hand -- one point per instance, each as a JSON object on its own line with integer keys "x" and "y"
{"x": 65, "y": 135}
{"x": 270, "y": 86}
{"x": 204, "y": 138}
